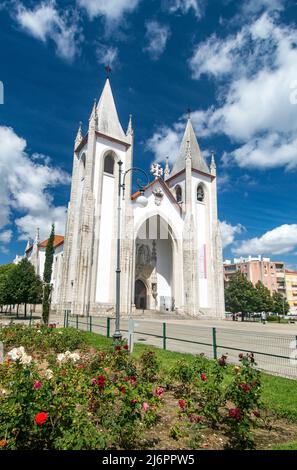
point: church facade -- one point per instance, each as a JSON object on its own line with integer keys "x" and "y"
{"x": 171, "y": 254}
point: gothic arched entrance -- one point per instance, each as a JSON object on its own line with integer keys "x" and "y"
{"x": 140, "y": 295}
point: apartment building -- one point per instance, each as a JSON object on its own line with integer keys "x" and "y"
{"x": 270, "y": 273}
{"x": 291, "y": 288}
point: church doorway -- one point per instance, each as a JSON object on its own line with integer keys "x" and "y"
{"x": 140, "y": 295}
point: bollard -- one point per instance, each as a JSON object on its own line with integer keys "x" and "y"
{"x": 164, "y": 336}
{"x": 214, "y": 343}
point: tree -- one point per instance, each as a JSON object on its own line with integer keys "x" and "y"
{"x": 5, "y": 294}
{"x": 280, "y": 305}
{"x": 263, "y": 299}
{"x": 47, "y": 275}
{"x": 24, "y": 285}
{"x": 239, "y": 295}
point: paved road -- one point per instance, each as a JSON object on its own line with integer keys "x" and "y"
{"x": 264, "y": 340}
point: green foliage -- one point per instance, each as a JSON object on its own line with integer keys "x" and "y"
{"x": 6, "y": 289}
{"x": 42, "y": 339}
{"x": 78, "y": 403}
{"x": 239, "y": 294}
{"x": 280, "y": 304}
{"x": 23, "y": 285}
{"x": 47, "y": 275}
{"x": 263, "y": 299}
{"x": 150, "y": 365}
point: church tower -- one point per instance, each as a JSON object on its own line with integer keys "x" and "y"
{"x": 193, "y": 184}
{"x": 89, "y": 249}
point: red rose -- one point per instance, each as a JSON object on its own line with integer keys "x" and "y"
{"x": 126, "y": 346}
{"x": 203, "y": 377}
{"x": 182, "y": 404}
{"x": 245, "y": 387}
{"x": 41, "y": 418}
{"x": 37, "y": 385}
{"x": 235, "y": 413}
{"x": 118, "y": 348}
{"x": 133, "y": 402}
{"x": 101, "y": 381}
{"x": 123, "y": 389}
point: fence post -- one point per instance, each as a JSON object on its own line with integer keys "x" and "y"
{"x": 214, "y": 343}
{"x": 30, "y": 321}
{"x": 67, "y": 319}
{"x": 108, "y": 327}
{"x": 64, "y": 318}
{"x": 164, "y": 336}
{"x": 77, "y": 322}
{"x": 90, "y": 324}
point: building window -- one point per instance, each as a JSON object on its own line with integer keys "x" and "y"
{"x": 200, "y": 193}
{"x": 109, "y": 164}
{"x": 178, "y": 193}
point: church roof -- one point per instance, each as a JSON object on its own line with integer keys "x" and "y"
{"x": 198, "y": 161}
{"x": 58, "y": 240}
{"x": 108, "y": 120}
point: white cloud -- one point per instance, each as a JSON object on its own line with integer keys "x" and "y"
{"x": 270, "y": 151}
{"x": 157, "y": 36}
{"x": 255, "y": 6}
{"x": 107, "y": 55}
{"x": 280, "y": 240}
{"x": 112, "y": 10}
{"x": 45, "y": 22}
{"x": 257, "y": 101}
{"x": 24, "y": 190}
{"x": 185, "y": 6}
{"x": 229, "y": 232}
{"x": 165, "y": 143}
{"x": 5, "y": 236}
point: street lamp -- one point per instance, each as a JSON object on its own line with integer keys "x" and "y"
{"x": 141, "y": 202}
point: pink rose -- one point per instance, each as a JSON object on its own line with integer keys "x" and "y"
{"x": 145, "y": 406}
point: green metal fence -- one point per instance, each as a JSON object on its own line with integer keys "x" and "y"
{"x": 274, "y": 353}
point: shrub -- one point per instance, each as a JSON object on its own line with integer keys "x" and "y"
{"x": 150, "y": 365}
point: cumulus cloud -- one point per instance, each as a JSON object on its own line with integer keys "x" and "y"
{"x": 111, "y": 10}
{"x": 185, "y": 6}
{"x": 280, "y": 240}
{"x": 229, "y": 232}
{"x": 5, "y": 236}
{"x": 255, "y": 6}
{"x": 257, "y": 92}
{"x": 24, "y": 190}
{"x": 45, "y": 22}
{"x": 157, "y": 36}
{"x": 107, "y": 55}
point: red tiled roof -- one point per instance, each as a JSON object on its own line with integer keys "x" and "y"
{"x": 58, "y": 240}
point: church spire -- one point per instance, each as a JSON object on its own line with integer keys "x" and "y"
{"x": 93, "y": 121}
{"x": 130, "y": 127}
{"x": 167, "y": 169}
{"x": 213, "y": 167}
{"x": 189, "y": 143}
{"x": 108, "y": 120}
{"x": 79, "y": 136}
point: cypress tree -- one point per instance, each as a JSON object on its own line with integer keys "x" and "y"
{"x": 47, "y": 275}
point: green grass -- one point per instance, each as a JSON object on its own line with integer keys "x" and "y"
{"x": 279, "y": 394}
{"x": 288, "y": 446}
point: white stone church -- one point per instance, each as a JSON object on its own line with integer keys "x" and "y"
{"x": 171, "y": 254}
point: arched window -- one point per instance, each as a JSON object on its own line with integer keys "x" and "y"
{"x": 178, "y": 193}
{"x": 200, "y": 193}
{"x": 109, "y": 164}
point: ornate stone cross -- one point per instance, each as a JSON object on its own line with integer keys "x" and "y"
{"x": 156, "y": 170}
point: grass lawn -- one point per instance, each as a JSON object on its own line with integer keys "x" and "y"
{"x": 279, "y": 393}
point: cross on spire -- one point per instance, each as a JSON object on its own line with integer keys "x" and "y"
{"x": 189, "y": 111}
{"x": 107, "y": 70}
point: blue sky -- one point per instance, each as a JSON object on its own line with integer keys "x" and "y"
{"x": 232, "y": 62}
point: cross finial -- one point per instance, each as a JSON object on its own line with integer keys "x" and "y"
{"x": 189, "y": 111}
{"x": 108, "y": 70}
{"x": 156, "y": 170}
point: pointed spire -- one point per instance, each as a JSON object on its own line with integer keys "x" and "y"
{"x": 79, "y": 136}
{"x": 93, "y": 121}
{"x": 130, "y": 127}
{"x": 213, "y": 166}
{"x": 37, "y": 236}
{"x": 189, "y": 145}
{"x": 28, "y": 245}
{"x": 167, "y": 169}
{"x": 108, "y": 120}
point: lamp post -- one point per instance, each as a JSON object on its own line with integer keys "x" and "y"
{"x": 142, "y": 202}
